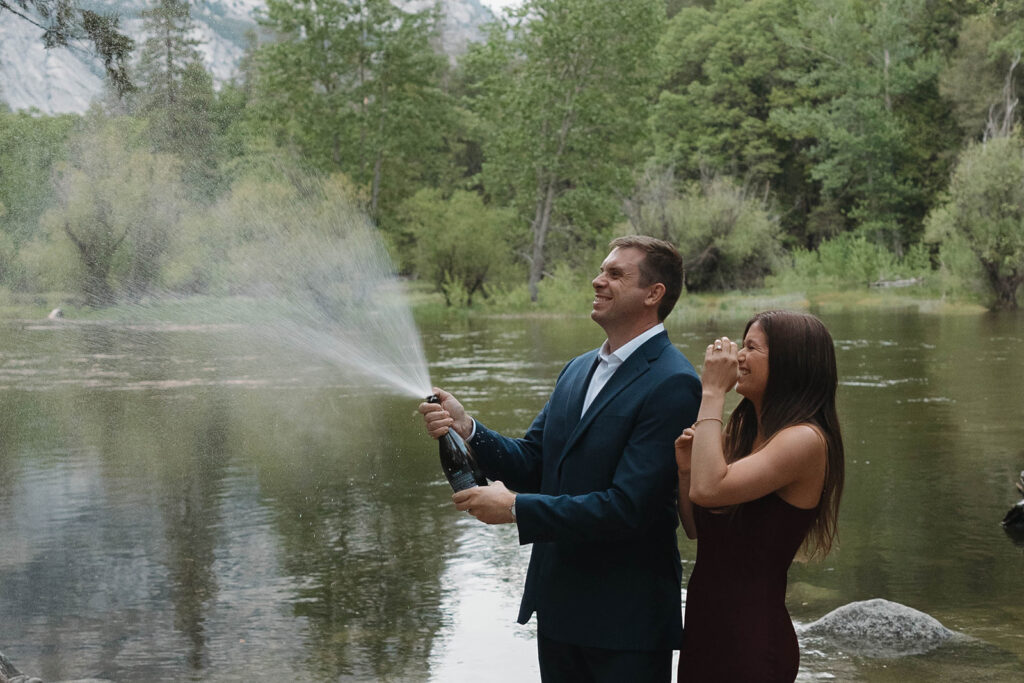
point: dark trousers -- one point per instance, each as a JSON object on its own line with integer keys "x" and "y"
{"x": 564, "y": 663}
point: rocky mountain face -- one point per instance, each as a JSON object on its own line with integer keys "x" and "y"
{"x": 66, "y": 80}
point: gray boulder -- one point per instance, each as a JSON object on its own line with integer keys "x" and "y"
{"x": 880, "y": 628}
{"x": 10, "y": 674}
{"x": 1013, "y": 521}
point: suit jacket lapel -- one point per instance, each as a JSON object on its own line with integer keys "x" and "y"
{"x": 578, "y": 391}
{"x": 636, "y": 365}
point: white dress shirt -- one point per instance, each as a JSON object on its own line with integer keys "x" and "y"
{"x": 610, "y": 361}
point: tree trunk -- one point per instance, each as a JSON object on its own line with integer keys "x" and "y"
{"x": 375, "y": 192}
{"x": 1001, "y": 117}
{"x": 98, "y": 292}
{"x": 888, "y": 97}
{"x": 1005, "y": 286}
{"x": 546, "y": 182}
{"x": 97, "y": 262}
{"x": 541, "y": 226}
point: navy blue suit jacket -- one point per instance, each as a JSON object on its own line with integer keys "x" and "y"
{"x": 597, "y": 500}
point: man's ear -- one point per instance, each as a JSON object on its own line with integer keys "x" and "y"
{"x": 655, "y": 294}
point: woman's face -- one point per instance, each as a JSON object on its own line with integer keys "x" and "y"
{"x": 753, "y": 364}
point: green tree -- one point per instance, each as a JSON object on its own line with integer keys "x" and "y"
{"x": 166, "y": 53}
{"x": 849, "y": 261}
{"x": 563, "y": 90}
{"x": 275, "y": 231}
{"x": 875, "y": 130}
{"x": 984, "y": 211}
{"x": 726, "y": 234}
{"x": 969, "y": 81}
{"x": 983, "y": 75}
{"x": 223, "y": 249}
{"x": 242, "y": 139}
{"x": 355, "y": 86}
{"x": 64, "y": 23}
{"x": 30, "y": 146}
{"x": 721, "y": 76}
{"x": 176, "y": 92}
{"x": 648, "y": 207}
{"x": 117, "y": 205}
{"x": 461, "y": 243}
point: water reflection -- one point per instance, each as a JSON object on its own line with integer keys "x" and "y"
{"x": 176, "y": 505}
{"x": 367, "y": 575}
{"x": 925, "y": 476}
{"x": 190, "y": 489}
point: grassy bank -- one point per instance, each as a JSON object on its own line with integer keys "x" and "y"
{"x": 718, "y": 306}
{"x": 427, "y": 304}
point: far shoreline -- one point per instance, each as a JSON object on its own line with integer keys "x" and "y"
{"x": 430, "y": 306}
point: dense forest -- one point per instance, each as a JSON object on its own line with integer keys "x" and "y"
{"x": 781, "y": 144}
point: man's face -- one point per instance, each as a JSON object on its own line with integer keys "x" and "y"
{"x": 618, "y": 296}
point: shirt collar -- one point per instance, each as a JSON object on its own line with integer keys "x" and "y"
{"x": 620, "y": 354}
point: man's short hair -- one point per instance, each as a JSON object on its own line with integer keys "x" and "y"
{"x": 662, "y": 263}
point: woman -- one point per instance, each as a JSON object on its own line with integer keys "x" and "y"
{"x": 753, "y": 496}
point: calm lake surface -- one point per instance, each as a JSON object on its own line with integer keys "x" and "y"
{"x": 177, "y": 504}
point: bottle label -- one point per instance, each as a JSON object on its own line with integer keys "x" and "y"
{"x": 462, "y": 480}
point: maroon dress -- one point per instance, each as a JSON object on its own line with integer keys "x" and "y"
{"x": 736, "y": 626}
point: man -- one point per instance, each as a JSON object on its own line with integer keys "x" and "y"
{"x": 596, "y": 481}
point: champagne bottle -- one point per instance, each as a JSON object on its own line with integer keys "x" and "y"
{"x": 457, "y": 459}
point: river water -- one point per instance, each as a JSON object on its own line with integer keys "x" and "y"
{"x": 177, "y": 504}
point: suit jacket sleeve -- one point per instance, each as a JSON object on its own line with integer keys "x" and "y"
{"x": 518, "y": 463}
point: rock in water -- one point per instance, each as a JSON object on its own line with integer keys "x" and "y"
{"x": 1013, "y": 521}
{"x": 10, "y": 674}
{"x": 1015, "y": 516}
{"x": 880, "y": 628}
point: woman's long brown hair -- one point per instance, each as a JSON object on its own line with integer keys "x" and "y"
{"x": 801, "y": 389}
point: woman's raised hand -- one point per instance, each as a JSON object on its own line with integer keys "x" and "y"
{"x": 721, "y": 367}
{"x": 684, "y": 450}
